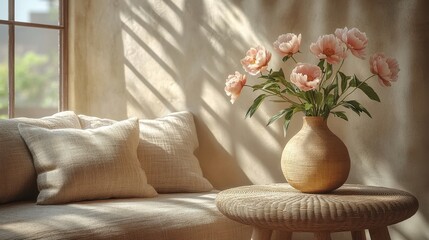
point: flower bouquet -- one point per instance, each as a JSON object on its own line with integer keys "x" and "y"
{"x": 315, "y": 160}
{"x": 315, "y": 90}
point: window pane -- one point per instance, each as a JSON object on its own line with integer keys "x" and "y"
{"x": 4, "y": 9}
{"x": 36, "y": 71}
{"x": 4, "y": 99}
{"x": 37, "y": 11}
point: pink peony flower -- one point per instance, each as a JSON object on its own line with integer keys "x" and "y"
{"x": 288, "y": 44}
{"x": 328, "y": 47}
{"x": 385, "y": 68}
{"x": 306, "y": 76}
{"x": 234, "y": 84}
{"x": 256, "y": 60}
{"x": 355, "y": 40}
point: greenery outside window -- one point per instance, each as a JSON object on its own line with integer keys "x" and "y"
{"x": 33, "y": 54}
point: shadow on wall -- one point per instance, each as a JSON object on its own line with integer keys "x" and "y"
{"x": 191, "y": 54}
{"x": 178, "y": 53}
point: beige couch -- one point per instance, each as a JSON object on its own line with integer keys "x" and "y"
{"x": 79, "y": 177}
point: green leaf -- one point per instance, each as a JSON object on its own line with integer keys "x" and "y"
{"x": 307, "y": 96}
{"x": 356, "y": 107}
{"x": 279, "y": 115}
{"x": 289, "y": 91}
{"x": 318, "y": 97}
{"x": 369, "y": 92}
{"x": 308, "y": 106}
{"x": 353, "y": 105}
{"x": 258, "y": 86}
{"x": 279, "y": 73}
{"x": 285, "y": 58}
{"x": 329, "y": 88}
{"x": 328, "y": 71}
{"x": 286, "y": 122}
{"x": 341, "y": 115}
{"x": 321, "y": 63}
{"x": 299, "y": 108}
{"x": 279, "y": 76}
{"x": 272, "y": 86}
{"x": 344, "y": 78}
{"x": 255, "y": 105}
{"x": 330, "y": 100}
{"x": 365, "y": 111}
{"x": 365, "y": 88}
{"x": 324, "y": 112}
{"x": 289, "y": 87}
{"x": 336, "y": 95}
{"x": 354, "y": 82}
{"x": 286, "y": 83}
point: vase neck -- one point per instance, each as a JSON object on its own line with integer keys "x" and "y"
{"x": 315, "y": 122}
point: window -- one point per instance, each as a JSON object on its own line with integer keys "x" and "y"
{"x": 33, "y": 54}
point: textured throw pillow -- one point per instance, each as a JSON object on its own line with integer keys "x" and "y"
{"x": 166, "y": 152}
{"x": 17, "y": 174}
{"x": 74, "y": 164}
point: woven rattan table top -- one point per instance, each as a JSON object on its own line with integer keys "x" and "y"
{"x": 349, "y": 208}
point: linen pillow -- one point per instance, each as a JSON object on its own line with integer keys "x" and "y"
{"x": 75, "y": 165}
{"x": 17, "y": 174}
{"x": 166, "y": 152}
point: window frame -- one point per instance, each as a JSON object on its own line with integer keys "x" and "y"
{"x": 62, "y": 28}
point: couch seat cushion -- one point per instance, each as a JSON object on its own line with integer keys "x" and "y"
{"x": 166, "y": 217}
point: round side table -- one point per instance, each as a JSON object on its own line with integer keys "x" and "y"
{"x": 353, "y": 208}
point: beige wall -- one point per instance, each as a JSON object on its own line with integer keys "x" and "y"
{"x": 148, "y": 58}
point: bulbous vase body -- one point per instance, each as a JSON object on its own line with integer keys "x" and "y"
{"x": 315, "y": 160}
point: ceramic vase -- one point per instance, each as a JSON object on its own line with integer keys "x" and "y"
{"x": 315, "y": 160}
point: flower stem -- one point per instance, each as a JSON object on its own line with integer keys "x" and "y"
{"x": 336, "y": 73}
{"x": 278, "y": 95}
{"x": 322, "y": 81}
{"x": 294, "y": 59}
{"x": 316, "y": 105}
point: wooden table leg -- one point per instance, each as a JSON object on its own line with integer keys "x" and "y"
{"x": 358, "y": 235}
{"x": 261, "y": 234}
{"x": 379, "y": 233}
{"x": 322, "y": 236}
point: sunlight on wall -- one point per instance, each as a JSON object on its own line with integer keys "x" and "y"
{"x": 144, "y": 64}
{"x": 157, "y": 54}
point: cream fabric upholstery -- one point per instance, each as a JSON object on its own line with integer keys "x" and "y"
{"x": 17, "y": 174}
{"x": 166, "y": 152}
{"x": 75, "y": 164}
{"x": 187, "y": 216}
